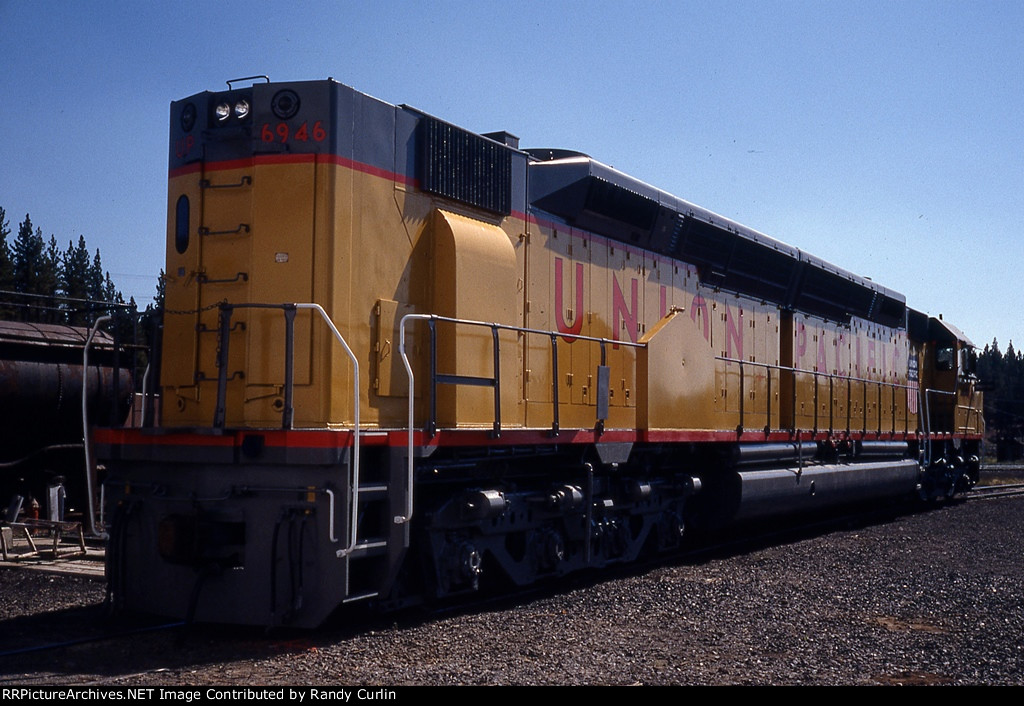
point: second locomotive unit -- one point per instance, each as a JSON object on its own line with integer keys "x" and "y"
{"x": 402, "y": 360}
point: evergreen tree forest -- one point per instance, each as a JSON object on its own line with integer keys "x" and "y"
{"x": 44, "y": 283}
{"x": 1002, "y": 374}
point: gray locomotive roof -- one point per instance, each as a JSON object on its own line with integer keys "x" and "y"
{"x": 594, "y": 196}
{"x": 598, "y": 198}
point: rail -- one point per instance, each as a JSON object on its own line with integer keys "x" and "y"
{"x": 966, "y": 409}
{"x": 288, "y": 411}
{"x": 86, "y": 439}
{"x": 96, "y": 530}
{"x": 832, "y": 379}
{"x": 492, "y": 382}
{"x": 971, "y": 408}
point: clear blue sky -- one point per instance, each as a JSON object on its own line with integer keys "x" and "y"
{"x": 885, "y": 137}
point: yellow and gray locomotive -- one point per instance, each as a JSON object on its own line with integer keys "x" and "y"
{"x": 401, "y": 359}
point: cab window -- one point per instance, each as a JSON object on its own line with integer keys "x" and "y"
{"x": 945, "y": 358}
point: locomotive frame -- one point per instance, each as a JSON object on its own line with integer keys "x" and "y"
{"x": 402, "y": 358}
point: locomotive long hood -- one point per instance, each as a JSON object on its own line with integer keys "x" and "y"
{"x": 595, "y": 197}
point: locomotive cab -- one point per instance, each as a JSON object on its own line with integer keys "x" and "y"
{"x": 952, "y": 424}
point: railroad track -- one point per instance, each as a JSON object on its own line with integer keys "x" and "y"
{"x": 984, "y": 492}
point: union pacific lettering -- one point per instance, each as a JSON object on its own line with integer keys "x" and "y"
{"x": 570, "y": 301}
{"x": 850, "y": 355}
{"x": 624, "y": 318}
{"x": 625, "y": 303}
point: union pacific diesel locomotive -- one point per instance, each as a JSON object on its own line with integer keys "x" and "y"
{"x": 402, "y": 360}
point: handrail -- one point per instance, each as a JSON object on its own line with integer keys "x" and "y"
{"x": 145, "y": 393}
{"x": 354, "y": 491}
{"x": 287, "y": 415}
{"x": 968, "y": 411}
{"x": 786, "y": 368}
{"x": 495, "y": 327}
{"x": 970, "y": 407}
{"x": 879, "y": 384}
{"x": 86, "y": 441}
{"x": 926, "y": 393}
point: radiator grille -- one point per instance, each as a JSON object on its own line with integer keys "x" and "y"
{"x": 463, "y": 166}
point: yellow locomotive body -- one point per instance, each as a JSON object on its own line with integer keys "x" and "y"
{"x": 427, "y": 258}
{"x": 431, "y": 356}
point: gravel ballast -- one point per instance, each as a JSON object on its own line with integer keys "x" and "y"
{"x": 932, "y": 597}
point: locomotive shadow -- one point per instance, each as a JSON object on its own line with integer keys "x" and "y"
{"x": 85, "y": 645}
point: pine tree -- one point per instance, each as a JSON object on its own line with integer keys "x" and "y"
{"x": 96, "y": 279}
{"x": 1013, "y": 388}
{"x": 50, "y": 282}
{"x": 154, "y": 312}
{"x": 28, "y": 266}
{"x": 75, "y": 279}
{"x": 153, "y": 317}
{"x": 7, "y": 283}
{"x": 111, "y": 293}
{"x": 161, "y": 291}
{"x": 28, "y": 251}
{"x": 6, "y": 258}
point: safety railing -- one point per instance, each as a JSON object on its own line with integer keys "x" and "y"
{"x": 97, "y": 529}
{"x": 833, "y": 380}
{"x": 288, "y": 411}
{"x": 926, "y": 422}
{"x": 86, "y": 436}
{"x": 967, "y": 410}
{"x": 971, "y": 410}
{"x": 493, "y": 382}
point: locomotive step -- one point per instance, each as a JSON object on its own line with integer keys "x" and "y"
{"x": 366, "y": 548}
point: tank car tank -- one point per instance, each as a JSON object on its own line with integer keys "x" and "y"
{"x": 41, "y": 384}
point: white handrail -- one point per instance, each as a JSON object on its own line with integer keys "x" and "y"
{"x": 86, "y": 441}
{"x": 145, "y": 390}
{"x": 400, "y": 519}
{"x": 354, "y": 489}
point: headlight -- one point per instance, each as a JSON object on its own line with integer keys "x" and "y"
{"x": 241, "y": 109}
{"x": 222, "y": 111}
